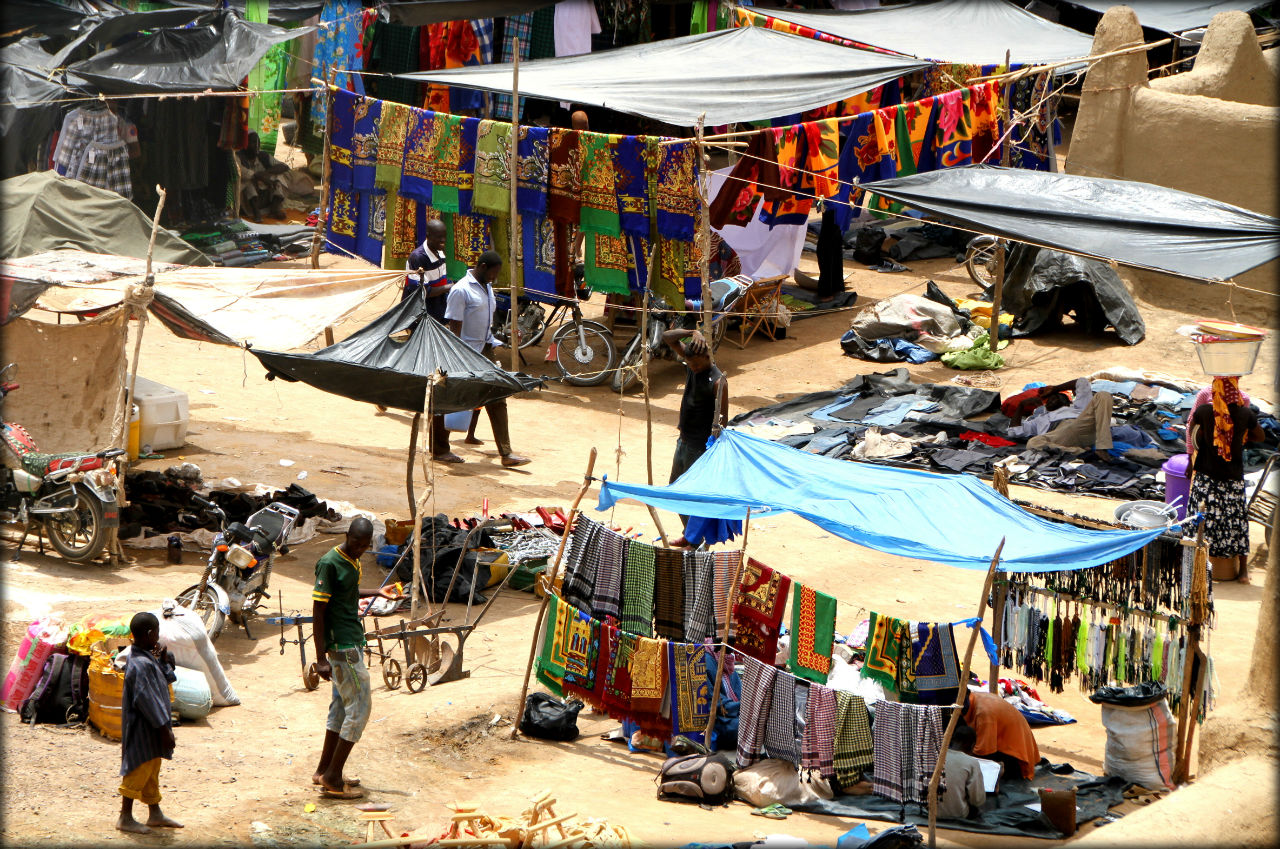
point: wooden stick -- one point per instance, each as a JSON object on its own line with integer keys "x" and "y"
{"x": 416, "y": 504}
{"x": 993, "y": 329}
{"x": 1182, "y": 735}
{"x": 728, "y": 624}
{"x": 1040, "y": 69}
{"x": 546, "y": 599}
{"x": 644, "y": 380}
{"x": 960, "y": 699}
{"x": 515, "y": 215}
{"x": 997, "y": 635}
{"x": 317, "y": 237}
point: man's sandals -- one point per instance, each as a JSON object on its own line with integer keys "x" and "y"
{"x": 350, "y": 789}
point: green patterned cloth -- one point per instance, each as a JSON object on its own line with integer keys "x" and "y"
{"x": 853, "y": 742}
{"x": 637, "y": 590}
{"x": 491, "y": 194}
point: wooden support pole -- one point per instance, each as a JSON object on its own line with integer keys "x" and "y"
{"x": 997, "y": 292}
{"x": 515, "y": 215}
{"x": 728, "y": 623}
{"x": 416, "y": 504}
{"x": 644, "y": 379}
{"x": 960, "y": 697}
{"x": 549, "y": 586}
{"x": 317, "y": 237}
{"x": 997, "y": 636}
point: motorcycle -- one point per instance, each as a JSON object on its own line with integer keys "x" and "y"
{"x": 236, "y": 577}
{"x": 71, "y": 496}
{"x": 725, "y": 295}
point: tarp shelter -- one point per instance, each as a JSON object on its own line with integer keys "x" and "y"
{"x": 1133, "y": 223}
{"x": 376, "y": 364}
{"x": 746, "y": 74}
{"x": 1174, "y": 15}
{"x": 30, "y": 103}
{"x": 278, "y": 11}
{"x": 975, "y": 32}
{"x": 281, "y": 307}
{"x": 43, "y": 211}
{"x": 416, "y": 13}
{"x": 952, "y": 519}
{"x": 212, "y": 50}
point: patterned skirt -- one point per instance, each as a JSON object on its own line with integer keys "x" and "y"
{"x": 1226, "y": 519}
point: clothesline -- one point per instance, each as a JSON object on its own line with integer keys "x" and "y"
{"x": 158, "y": 96}
{"x": 1014, "y": 76}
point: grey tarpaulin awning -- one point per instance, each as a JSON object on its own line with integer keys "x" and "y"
{"x": 1133, "y": 223}
{"x": 746, "y": 74}
{"x": 215, "y": 51}
{"x": 375, "y": 366}
{"x": 970, "y": 31}
{"x": 1174, "y": 15}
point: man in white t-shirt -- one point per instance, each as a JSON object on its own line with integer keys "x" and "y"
{"x": 469, "y": 314}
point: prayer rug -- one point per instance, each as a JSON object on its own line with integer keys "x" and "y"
{"x": 757, "y": 615}
{"x": 492, "y": 192}
{"x": 581, "y": 657}
{"x": 887, "y": 639}
{"x": 690, "y": 691}
{"x": 668, "y": 593}
{"x": 937, "y": 670}
{"x": 617, "y": 684}
{"x": 419, "y": 155}
{"x": 551, "y": 663}
{"x": 648, "y": 667}
{"x": 599, "y": 211}
{"x": 637, "y": 589}
{"x": 813, "y": 628}
{"x": 607, "y": 599}
{"x": 817, "y": 745}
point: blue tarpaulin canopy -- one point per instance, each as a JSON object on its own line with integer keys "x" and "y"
{"x": 953, "y": 519}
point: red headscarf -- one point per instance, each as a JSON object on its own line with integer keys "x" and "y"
{"x": 1226, "y": 391}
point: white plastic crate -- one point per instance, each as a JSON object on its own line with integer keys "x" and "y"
{"x": 164, "y": 415}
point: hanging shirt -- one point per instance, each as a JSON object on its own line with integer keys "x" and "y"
{"x": 575, "y": 22}
{"x": 472, "y": 303}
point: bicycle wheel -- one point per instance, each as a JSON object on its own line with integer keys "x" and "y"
{"x": 205, "y": 604}
{"x": 585, "y": 353}
{"x": 980, "y": 262}
{"x": 627, "y": 373}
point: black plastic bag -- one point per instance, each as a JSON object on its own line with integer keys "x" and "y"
{"x": 866, "y": 245}
{"x": 1138, "y": 695}
{"x": 548, "y": 718}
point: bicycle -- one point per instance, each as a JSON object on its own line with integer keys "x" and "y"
{"x": 980, "y": 260}
{"x": 584, "y": 350}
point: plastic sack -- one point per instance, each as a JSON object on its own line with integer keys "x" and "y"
{"x": 42, "y": 637}
{"x": 191, "y": 696}
{"x": 183, "y": 633}
{"x": 548, "y": 718}
{"x": 457, "y": 422}
{"x": 1139, "y": 743}
{"x": 777, "y": 782}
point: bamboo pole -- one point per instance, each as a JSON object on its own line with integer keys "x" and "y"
{"x": 728, "y": 624}
{"x": 549, "y": 586}
{"x": 960, "y": 698}
{"x": 416, "y": 504}
{"x": 317, "y": 237}
{"x": 644, "y": 379}
{"x": 515, "y": 215}
{"x": 993, "y": 329}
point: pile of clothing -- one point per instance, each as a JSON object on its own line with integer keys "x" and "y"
{"x": 887, "y": 418}
{"x": 234, "y": 243}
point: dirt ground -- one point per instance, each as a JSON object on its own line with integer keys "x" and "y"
{"x": 243, "y": 775}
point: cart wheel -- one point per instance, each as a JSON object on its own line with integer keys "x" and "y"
{"x": 311, "y": 677}
{"x": 391, "y": 673}
{"x": 417, "y": 678}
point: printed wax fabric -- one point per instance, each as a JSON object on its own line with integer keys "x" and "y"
{"x": 466, "y": 164}
{"x": 889, "y": 652}
{"x": 393, "y": 134}
{"x": 637, "y": 589}
{"x": 531, "y": 188}
{"x": 668, "y": 593}
{"x": 937, "y": 667}
{"x": 813, "y": 628}
{"x": 468, "y": 237}
{"x": 492, "y": 192}
{"x": 371, "y": 224}
{"x": 853, "y": 745}
{"x": 793, "y": 208}
{"x": 690, "y": 691}
{"x": 581, "y": 561}
{"x": 861, "y": 159}
{"x": 445, "y": 170}
{"x": 757, "y": 615}
{"x": 420, "y": 151}
{"x": 674, "y": 194}
{"x": 907, "y": 740}
{"x": 564, "y": 189}
{"x": 599, "y": 211}
{"x": 608, "y": 261}
{"x": 632, "y": 155}
{"x": 538, "y": 256}
{"x": 338, "y": 47}
{"x": 752, "y": 176}
{"x": 266, "y": 78}
{"x": 367, "y": 114}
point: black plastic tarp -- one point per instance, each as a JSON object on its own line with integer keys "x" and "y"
{"x": 55, "y": 20}
{"x": 970, "y": 31}
{"x": 1041, "y": 285}
{"x": 416, "y": 13}
{"x": 744, "y": 74}
{"x": 30, "y": 104}
{"x": 215, "y": 51}
{"x": 376, "y": 366}
{"x": 1174, "y": 15}
{"x": 1138, "y": 224}
{"x": 278, "y": 11}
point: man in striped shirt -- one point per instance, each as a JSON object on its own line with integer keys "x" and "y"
{"x": 429, "y": 262}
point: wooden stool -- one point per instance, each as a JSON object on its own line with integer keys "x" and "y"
{"x": 373, "y": 815}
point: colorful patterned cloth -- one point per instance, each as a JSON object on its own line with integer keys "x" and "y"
{"x": 861, "y": 160}
{"x": 753, "y": 710}
{"x": 531, "y": 189}
{"x": 699, "y": 596}
{"x": 582, "y": 562}
{"x": 364, "y": 143}
{"x": 632, "y": 155}
{"x": 793, "y": 147}
{"x": 467, "y": 163}
{"x": 617, "y": 684}
{"x": 690, "y": 691}
{"x": 468, "y": 238}
{"x": 937, "y": 668}
{"x": 753, "y": 176}
{"x": 888, "y": 646}
{"x": 372, "y": 226}
{"x": 608, "y": 261}
{"x": 551, "y": 660}
{"x": 446, "y": 176}
{"x": 668, "y": 593}
{"x": 564, "y": 191}
{"x": 420, "y": 150}
{"x": 852, "y": 744}
{"x": 338, "y": 47}
{"x": 954, "y": 134}
{"x": 514, "y": 26}
{"x": 637, "y": 589}
{"x": 538, "y": 257}
{"x": 340, "y": 141}
{"x": 674, "y": 194}
{"x": 757, "y": 615}
{"x": 780, "y": 727}
{"x": 813, "y": 628}
{"x": 581, "y": 660}
{"x": 817, "y": 744}
{"x": 648, "y": 667}
{"x": 599, "y": 212}
{"x": 607, "y": 599}
{"x": 344, "y": 214}
{"x": 492, "y": 192}
{"x": 393, "y": 136}
{"x": 267, "y": 76}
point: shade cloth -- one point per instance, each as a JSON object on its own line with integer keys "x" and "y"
{"x": 953, "y": 519}
{"x": 976, "y": 32}
{"x": 375, "y": 366}
{"x": 1133, "y": 223}
{"x": 674, "y": 80}
{"x": 1174, "y": 15}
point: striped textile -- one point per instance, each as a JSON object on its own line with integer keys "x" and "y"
{"x": 516, "y": 26}
{"x": 668, "y": 593}
{"x": 753, "y": 710}
{"x": 817, "y": 746}
{"x": 853, "y": 744}
{"x": 580, "y": 563}
{"x": 699, "y": 609}
{"x": 637, "y": 589}
{"x": 607, "y": 598}
{"x": 780, "y": 726}
{"x": 726, "y": 572}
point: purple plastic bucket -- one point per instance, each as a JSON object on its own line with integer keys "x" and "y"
{"x": 1177, "y": 482}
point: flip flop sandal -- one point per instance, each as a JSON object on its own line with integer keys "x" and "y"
{"x": 350, "y": 782}
{"x": 347, "y": 792}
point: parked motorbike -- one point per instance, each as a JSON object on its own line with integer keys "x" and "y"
{"x": 71, "y": 496}
{"x": 235, "y": 579}
{"x": 725, "y": 294}
{"x": 980, "y": 260}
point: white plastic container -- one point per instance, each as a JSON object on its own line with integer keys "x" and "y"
{"x": 163, "y": 415}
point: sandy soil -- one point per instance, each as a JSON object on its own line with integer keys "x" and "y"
{"x": 243, "y": 774}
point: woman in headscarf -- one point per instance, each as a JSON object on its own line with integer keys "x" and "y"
{"x": 1216, "y": 434}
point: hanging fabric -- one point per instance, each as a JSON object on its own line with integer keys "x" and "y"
{"x": 817, "y": 745}
{"x": 338, "y": 47}
{"x": 599, "y": 209}
{"x": 699, "y": 596}
{"x": 638, "y": 589}
{"x": 372, "y": 225}
{"x": 581, "y": 659}
{"x": 551, "y": 662}
{"x": 813, "y": 627}
{"x": 367, "y": 115}
{"x": 468, "y": 237}
{"x": 690, "y": 691}
{"x": 344, "y": 212}
{"x": 538, "y": 260}
{"x": 648, "y": 667}
{"x": 668, "y": 593}
{"x": 343, "y": 117}
{"x": 753, "y": 710}
{"x": 888, "y": 645}
{"x": 513, "y": 27}
{"x": 531, "y": 189}
{"x": 422, "y": 135}
{"x": 607, "y": 599}
{"x": 492, "y": 192}
{"x": 674, "y": 193}
{"x": 393, "y": 134}
{"x": 853, "y": 745}
{"x": 725, "y": 566}
{"x": 937, "y": 667}
{"x": 757, "y": 615}
{"x": 607, "y": 261}
{"x": 467, "y": 164}
{"x": 266, "y": 79}
{"x": 446, "y": 148}
{"x": 780, "y": 727}
{"x": 632, "y": 155}
{"x": 907, "y": 740}
{"x": 753, "y": 176}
